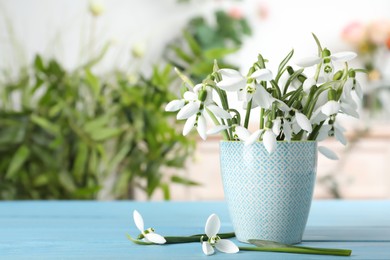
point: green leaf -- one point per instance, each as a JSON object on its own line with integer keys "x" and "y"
{"x": 219, "y": 53}
{"x": 105, "y": 133}
{"x": 92, "y": 81}
{"x": 98, "y": 122}
{"x": 45, "y": 124}
{"x": 184, "y": 181}
{"x": 271, "y": 246}
{"x": 18, "y": 159}
{"x": 166, "y": 192}
{"x": 194, "y": 46}
{"x": 38, "y": 63}
{"x": 283, "y": 64}
{"x": 181, "y": 54}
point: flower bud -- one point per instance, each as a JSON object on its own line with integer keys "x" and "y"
{"x": 96, "y": 7}
{"x": 202, "y": 95}
{"x": 325, "y": 53}
{"x": 290, "y": 70}
{"x": 332, "y": 94}
{"x": 268, "y": 124}
{"x": 338, "y": 75}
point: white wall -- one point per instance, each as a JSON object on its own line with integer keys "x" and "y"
{"x": 63, "y": 27}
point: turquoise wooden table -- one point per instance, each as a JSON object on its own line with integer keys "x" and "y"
{"x": 97, "y": 230}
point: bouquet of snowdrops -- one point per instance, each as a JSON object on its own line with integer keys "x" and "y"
{"x": 300, "y": 107}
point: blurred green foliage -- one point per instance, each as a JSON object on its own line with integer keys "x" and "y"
{"x": 202, "y": 42}
{"x": 65, "y": 134}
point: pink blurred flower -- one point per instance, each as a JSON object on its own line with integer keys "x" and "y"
{"x": 379, "y": 31}
{"x": 388, "y": 43}
{"x": 354, "y": 33}
{"x": 235, "y": 13}
{"x": 263, "y": 10}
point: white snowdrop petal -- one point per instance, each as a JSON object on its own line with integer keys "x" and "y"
{"x": 232, "y": 84}
{"x": 282, "y": 106}
{"x": 230, "y": 73}
{"x": 138, "y": 220}
{"x": 219, "y": 112}
{"x": 308, "y": 61}
{"x": 340, "y": 127}
{"x": 287, "y": 130}
{"x": 308, "y": 83}
{"x": 358, "y": 90}
{"x": 227, "y": 246}
{"x": 202, "y": 127}
{"x": 269, "y": 140}
{"x": 327, "y": 153}
{"x": 340, "y": 136}
{"x": 213, "y": 225}
{"x": 330, "y": 108}
{"x": 190, "y": 96}
{"x": 217, "y": 129}
{"x": 347, "y": 109}
{"x": 343, "y": 56}
{"x": 188, "y": 110}
{"x": 263, "y": 98}
{"x": 174, "y": 105}
{"x": 189, "y": 125}
{"x": 277, "y": 123}
{"x": 262, "y": 74}
{"x": 323, "y": 133}
{"x": 296, "y": 128}
{"x": 253, "y": 137}
{"x": 207, "y": 248}
{"x": 303, "y": 122}
{"x": 155, "y": 238}
{"x": 242, "y": 133}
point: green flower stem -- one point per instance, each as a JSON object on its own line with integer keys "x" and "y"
{"x": 300, "y": 250}
{"x": 182, "y": 239}
{"x": 225, "y": 133}
{"x": 248, "y": 113}
{"x": 313, "y": 135}
{"x": 261, "y": 125}
{"x": 225, "y": 105}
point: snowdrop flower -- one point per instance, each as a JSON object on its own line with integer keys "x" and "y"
{"x": 246, "y": 87}
{"x": 232, "y": 80}
{"x": 308, "y": 83}
{"x": 327, "y": 59}
{"x": 269, "y": 141}
{"x": 330, "y": 108}
{"x": 148, "y": 235}
{"x": 328, "y": 153}
{"x": 212, "y": 227}
{"x": 303, "y": 122}
{"x": 192, "y": 108}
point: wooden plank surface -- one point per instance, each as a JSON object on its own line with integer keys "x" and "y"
{"x": 96, "y": 230}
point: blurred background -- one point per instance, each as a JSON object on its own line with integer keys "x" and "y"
{"x": 83, "y": 86}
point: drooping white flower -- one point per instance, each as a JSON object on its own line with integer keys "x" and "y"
{"x": 232, "y": 80}
{"x": 308, "y": 83}
{"x": 303, "y": 122}
{"x": 323, "y": 133}
{"x": 269, "y": 141}
{"x": 175, "y": 105}
{"x": 253, "y": 137}
{"x": 330, "y": 108}
{"x": 339, "y": 133}
{"x": 242, "y": 133}
{"x": 148, "y": 235}
{"x": 195, "y": 108}
{"x": 327, "y": 67}
{"x": 328, "y": 153}
{"x": 217, "y": 129}
{"x": 287, "y": 130}
{"x": 212, "y": 227}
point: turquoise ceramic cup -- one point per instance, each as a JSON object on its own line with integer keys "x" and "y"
{"x": 269, "y": 195}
